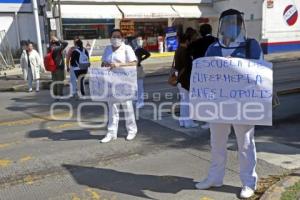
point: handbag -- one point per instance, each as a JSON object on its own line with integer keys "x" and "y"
{"x": 174, "y": 75}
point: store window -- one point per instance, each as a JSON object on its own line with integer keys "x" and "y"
{"x": 87, "y": 29}
{"x": 150, "y": 30}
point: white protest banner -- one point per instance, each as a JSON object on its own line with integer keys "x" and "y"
{"x": 231, "y": 90}
{"x": 116, "y": 85}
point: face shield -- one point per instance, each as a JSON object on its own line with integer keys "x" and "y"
{"x": 232, "y": 32}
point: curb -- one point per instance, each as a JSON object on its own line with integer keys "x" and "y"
{"x": 44, "y": 85}
{"x": 275, "y": 191}
{"x": 153, "y": 55}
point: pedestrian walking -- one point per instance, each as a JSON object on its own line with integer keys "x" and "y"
{"x": 232, "y": 42}
{"x": 199, "y": 47}
{"x": 80, "y": 62}
{"x": 119, "y": 55}
{"x": 73, "y": 79}
{"x": 141, "y": 55}
{"x": 31, "y": 64}
{"x": 183, "y": 65}
{"x": 58, "y": 76}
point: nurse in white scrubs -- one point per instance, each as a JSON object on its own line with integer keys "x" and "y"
{"x": 118, "y": 54}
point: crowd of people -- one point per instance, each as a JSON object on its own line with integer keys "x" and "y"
{"x": 231, "y": 41}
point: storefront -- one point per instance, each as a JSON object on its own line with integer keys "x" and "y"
{"x": 153, "y": 21}
{"x": 88, "y": 21}
{"x": 87, "y": 28}
{"x": 150, "y": 19}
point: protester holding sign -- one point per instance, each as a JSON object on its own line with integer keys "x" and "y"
{"x": 232, "y": 42}
{"x": 119, "y": 55}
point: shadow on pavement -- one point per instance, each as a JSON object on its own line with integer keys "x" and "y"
{"x": 134, "y": 184}
{"x": 64, "y": 135}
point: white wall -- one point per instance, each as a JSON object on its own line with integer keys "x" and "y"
{"x": 8, "y": 25}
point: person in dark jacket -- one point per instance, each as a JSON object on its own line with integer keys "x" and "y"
{"x": 141, "y": 55}
{"x": 80, "y": 72}
{"x": 59, "y": 74}
{"x": 198, "y": 48}
{"x": 183, "y": 65}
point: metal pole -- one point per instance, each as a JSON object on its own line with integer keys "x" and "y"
{"x": 37, "y": 26}
{"x": 60, "y": 21}
{"x": 17, "y": 29}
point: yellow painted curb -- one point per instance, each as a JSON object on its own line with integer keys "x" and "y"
{"x": 153, "y": 55}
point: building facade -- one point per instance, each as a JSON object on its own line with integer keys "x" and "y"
{"x": 17, "y": 22}
{"x": 274, "y": 23}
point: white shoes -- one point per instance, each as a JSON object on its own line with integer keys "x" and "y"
{"x": 205, "y": 126}
{"x": 108, "y": 138}
{"x": 30, "y": 90}
{"x": 130, "y": 136}
{"x": 246, "y": 192}
{"x": 191, "y": 125}
{"x": 185, "y": 124}
{"x": 205, "y": 184}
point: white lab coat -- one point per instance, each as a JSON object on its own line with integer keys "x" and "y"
{"x": 35, "y": 62}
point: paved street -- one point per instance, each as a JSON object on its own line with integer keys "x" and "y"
{"x": 45, "y": 158}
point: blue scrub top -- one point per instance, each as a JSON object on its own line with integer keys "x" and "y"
{"x": 255, "y": 51}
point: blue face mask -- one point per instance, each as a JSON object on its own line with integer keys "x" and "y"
{"x": 232, "y": 32}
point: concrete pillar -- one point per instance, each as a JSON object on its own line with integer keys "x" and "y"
{"x": 117, "y": 23}
{"x": 17, "y": 29}
{"x": 37, "y": 26}
{"x": 170, "y": 22}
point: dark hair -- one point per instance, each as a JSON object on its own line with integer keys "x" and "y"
{"x": 116, "y": 30}
{"x": 189, "y": 33}
{"x": 205, "y": 29}
{"x": 182, "y": 38}
{"x": 54, "y": 43}
{"x": 29, "y": 42}
{"x": 79, "y": 43}
{"x": 76, "y": 38}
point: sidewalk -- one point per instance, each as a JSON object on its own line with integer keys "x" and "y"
{"x": 283, "y": 188}
{"x": 158, "y": 64}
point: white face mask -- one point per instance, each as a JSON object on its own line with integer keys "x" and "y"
{"x": 116, "y": 42}
{"x": 139, "y": 42}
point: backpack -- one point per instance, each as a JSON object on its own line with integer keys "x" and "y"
{"x": 84, "y": 61}
{"x": 49, "y": 62}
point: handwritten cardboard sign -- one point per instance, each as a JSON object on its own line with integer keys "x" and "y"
{"x": 116, "y": 85}
{"x": 231, "y": 90}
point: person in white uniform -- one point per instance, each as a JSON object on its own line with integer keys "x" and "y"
{"x": 31, "y": 64}
{"x": 232, "y": 42}
{"x": 119, "y": 55}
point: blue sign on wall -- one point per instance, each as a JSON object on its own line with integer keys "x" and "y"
{"x": 171, "y": 38}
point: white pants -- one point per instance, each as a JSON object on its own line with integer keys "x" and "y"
{"x": 30, "y": 80}
{"x": 140, "y": 95}
{"x": 113, "y": 117}
{"x": 73, "y": 80}
{"x": 184, "y": 119}
{"x": 246, "y": 149}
